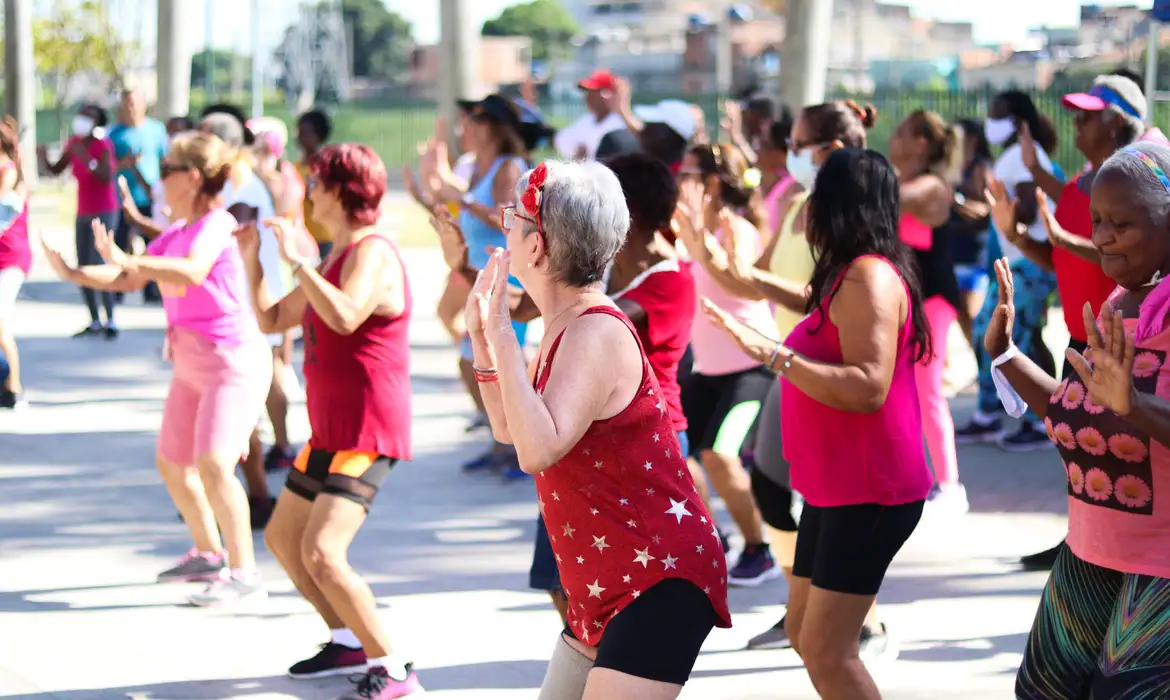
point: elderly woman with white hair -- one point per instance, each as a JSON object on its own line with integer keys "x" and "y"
{"x": 640, "y": 559}
{"x": 1107, "y": 117}
{"x": 1101, "y": 630}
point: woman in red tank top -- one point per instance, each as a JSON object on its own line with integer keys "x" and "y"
{"x": 355, "y": 312}
{"x": 640, "y": 560}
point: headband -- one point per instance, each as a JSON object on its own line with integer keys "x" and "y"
{"x": 1150, "y": 163}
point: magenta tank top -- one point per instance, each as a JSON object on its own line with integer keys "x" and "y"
{"x": 843, "y": 458}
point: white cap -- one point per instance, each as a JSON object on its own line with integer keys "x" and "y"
{"x": 676, "y": 114}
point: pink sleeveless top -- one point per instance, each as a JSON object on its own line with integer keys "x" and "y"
{"x": 772, "y": 201}
{"x": 844, "y": 458}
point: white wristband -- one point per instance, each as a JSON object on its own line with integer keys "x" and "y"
{"x": 1012, "y": 403}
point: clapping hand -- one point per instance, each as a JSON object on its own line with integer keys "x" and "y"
{"x": 286, "y": 239}
{"x": 732, "y": 122}
{"x": 1110, "y": 378}
{"x": 488, "y": 313}
{"x": 1057, "y": 236}
{"x": 128, "y": 204}
{"x": 998, "y": 338}
{"x": 737, "y": 266}
{"x": 248, "y": 239}
{"x": 1003, "y": 212}
{"x": 687, "y": 221}
{"x": 103, "y": 241}
{"x": 451, "y": 239}
{"x": 55, "y": 260}
{"x": 755, "y": 344}
{"x": 1027, "y": 146}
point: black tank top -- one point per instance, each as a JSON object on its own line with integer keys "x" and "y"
{"x": 936, "y": 269}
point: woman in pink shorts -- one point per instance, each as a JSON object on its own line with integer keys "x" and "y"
{"x": 223, "y": 366}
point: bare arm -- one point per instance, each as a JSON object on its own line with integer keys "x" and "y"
{"x": 1034, "y": 385}
{"x": 928, "y": 199}
{"x": 189, "y": 271}
{"x": 272, "y": 317}
{"x": 1047, "y": 182}
{"x": 791, "y": 295}
{"x": 344, "y": 310}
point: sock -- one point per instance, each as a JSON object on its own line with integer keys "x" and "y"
{"x": 345, "y": 637}
{"x": 394, "y": 664}
{"x": 247, "y": 575}
{"x": 984, "y": 418}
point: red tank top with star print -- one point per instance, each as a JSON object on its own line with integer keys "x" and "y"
{"x": 622, "y": 511}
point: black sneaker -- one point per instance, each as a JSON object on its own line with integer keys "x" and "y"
{"x": 725, "y": 542}
{"x": 1041, "y": 561}
{"x": 112, "y": 332}
{"x": 89, "y": 331}
{"x": 12, "y": 401}
{"x": 774, "y": 638}
{"x": 755, "y": 566}
{"x": 977, "y": 431}
{"x": 279, "y": 459}
{"x": 1026, "y": 439}
{"x": 261, "y": 511}
{"x": 876, "y": 645}
{"x": 332, "y": 660}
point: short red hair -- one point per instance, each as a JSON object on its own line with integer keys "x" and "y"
{"x": 358, "y": 176}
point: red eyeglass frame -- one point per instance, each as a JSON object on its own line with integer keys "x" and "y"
{"x": 516, "y": 213}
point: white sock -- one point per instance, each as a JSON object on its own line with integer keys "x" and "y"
{"x": 345, "y": 637}
{"x": 394, "y": 664}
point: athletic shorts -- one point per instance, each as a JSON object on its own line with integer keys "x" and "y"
{"x": 11, "y": 279}
{"x": 973, "y": 279}
{"x": 465, "y": 349}
{"x": 848, "y": 549}
{"x": 659, "y": 635}
{"x": 721, "y": 409}
{"x": 349, "y": 474}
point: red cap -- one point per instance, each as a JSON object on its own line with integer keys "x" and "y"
{"x": 600, "y": 80}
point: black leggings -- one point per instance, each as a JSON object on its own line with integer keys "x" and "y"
{"x": 848, "y": 549}
{"x": 87, "y": 255}
{"x": 659, "y": 635}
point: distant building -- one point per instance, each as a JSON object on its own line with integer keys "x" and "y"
{"x": 503, "y": 60}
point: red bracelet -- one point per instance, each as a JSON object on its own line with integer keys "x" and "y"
{"x": 485, "y": 376}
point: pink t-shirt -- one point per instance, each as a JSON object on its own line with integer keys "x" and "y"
{"x": 93, "y": 195}
{"x": 715, "y": 351}
{"x": 842, "y": 458}
{"x": 220, "y": 309}
{"x": 1118, "y": 477}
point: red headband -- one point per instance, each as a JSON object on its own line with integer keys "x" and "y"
{"x": 533, "y": 196}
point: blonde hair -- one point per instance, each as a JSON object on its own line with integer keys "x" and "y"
{"x": 208, "y": 155}
{"x": 944, "y": 153}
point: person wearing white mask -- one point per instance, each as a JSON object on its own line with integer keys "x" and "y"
{"x": 90, "y": 156}
{"x": 1012, "y": 121}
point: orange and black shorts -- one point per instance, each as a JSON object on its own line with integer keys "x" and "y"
{"x": 349, "y": 474}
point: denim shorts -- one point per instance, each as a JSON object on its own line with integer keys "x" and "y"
{"x": 973, "y": 279}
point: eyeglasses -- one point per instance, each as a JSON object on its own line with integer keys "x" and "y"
{"x": 310, "y": 183}
{"x": 508, "y": 216}
{"x": 166, "y": 169}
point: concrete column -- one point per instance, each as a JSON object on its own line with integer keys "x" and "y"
{"x": 258, "y": 62}
{"x": 1152, "y": 69}
{"x": 459, "y": 54}
{"x": 724, "y": 53}
{"x": 20, "y": 78}
{"x": 804, "y": 62}
{"x": 173, "y": 60}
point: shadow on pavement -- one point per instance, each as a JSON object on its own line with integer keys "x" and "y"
{"x": 950, "y": 650}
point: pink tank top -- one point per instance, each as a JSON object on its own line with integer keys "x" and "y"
{"x": 715, "y": 352}
{"x": 772, "y": 201}
{"x": 844, "y": 458}
{"x": 914, "y": 233}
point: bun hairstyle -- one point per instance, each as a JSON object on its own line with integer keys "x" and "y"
{"x": 944, "y": 153}
{"x": 840, "y": 120}
{"x": 867, "y": 113}
{"x": 206, "y": 154}
{"x": 737, "y": 188}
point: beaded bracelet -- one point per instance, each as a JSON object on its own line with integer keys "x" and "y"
{"x": 484, "y": 376}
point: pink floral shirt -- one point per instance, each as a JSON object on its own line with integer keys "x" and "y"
{"x": 1118, "y": 478}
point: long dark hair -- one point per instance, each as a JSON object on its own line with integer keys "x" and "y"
{"x": 974, "y": 128}
{"x": 1023, "y": 109}
{"x": 854, "y": 211}
{"x": 729, "y": 163}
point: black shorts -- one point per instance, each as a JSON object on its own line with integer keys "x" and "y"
{"x": 848, "y": 549}
{"x": 778, "y": 504}
{"x": 350, "y": 474}
{"x": 544, "y": 574}
{"x": 659, "y": 635}
{"x": 721, "y": 409}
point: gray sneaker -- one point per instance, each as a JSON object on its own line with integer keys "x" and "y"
{"x": 194, "y": 567}
{"x": 774, "y": 638}
{"x": 230, "y": 589}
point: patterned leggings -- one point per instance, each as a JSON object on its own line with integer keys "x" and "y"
{"x": 1100, "y": 634}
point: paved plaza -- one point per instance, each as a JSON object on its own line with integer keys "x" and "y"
{"x": 85, "y": 525}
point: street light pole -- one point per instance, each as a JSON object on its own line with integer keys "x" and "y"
{"x": 257, "y": 64}
{"x": 458, "y": 55}
{"x": 20, "y": 78}
{"x": 1152, "y": 68}
{"x": 724, "y": 53}
{"x": 173, "y": 60}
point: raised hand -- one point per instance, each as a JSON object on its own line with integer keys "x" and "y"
{"x": 687, "y": 221}
{"x": 499, "y": 318}
{"x": 55, "y": 260}
{"x": 412, "y": 186}
{"x": 755, "y": 345}
{"x": 103, "y": 241}
{"x": 451, "y": 239}
{"x": 248, "y": 239}
{"x": 1003, "y": 211}
{"x": 128, "y": 204}
{"x": 998, "y": 338}
{"x": 1110, "y": 378}
{"x": 732, "y": 121}
{"x": 1028, "y": 146}
{"x": 286, "y": 239}
{"x": 738, "y": 267}
{"x": 1057, "y": 236}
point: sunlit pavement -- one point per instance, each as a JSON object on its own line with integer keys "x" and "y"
{"x": 85, "y": 524}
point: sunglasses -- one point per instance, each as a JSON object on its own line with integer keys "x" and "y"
{"x": 508, "y": 216}
{"x": 166, "y": 169}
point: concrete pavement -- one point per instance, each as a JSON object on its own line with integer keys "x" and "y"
{"x": 85, "y": 524}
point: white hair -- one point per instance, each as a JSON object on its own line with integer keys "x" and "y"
{"x": 1152, "y": 191}
{"x": 585, "y": 219}
{"x": 1131, "y": 127}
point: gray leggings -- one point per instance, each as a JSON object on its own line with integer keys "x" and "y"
{"x": 87, "y": 255}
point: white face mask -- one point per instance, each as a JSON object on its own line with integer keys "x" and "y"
{"x": 998, "y": 131}
{"x": 802, "y": 169}
{"x": 82, "y": 125}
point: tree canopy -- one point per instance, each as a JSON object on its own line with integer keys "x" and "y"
{"x": 381, "y": 39}
{"x": 546, "y": 22}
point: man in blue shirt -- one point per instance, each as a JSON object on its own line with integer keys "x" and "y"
{"x": 139, "y": 144}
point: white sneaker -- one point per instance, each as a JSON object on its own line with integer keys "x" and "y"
{"x": 230, "y": 589}
{"x": 948, "y": 499}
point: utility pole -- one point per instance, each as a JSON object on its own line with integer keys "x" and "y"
{"x": 1152, "y": 68}
{"x": 173, "y": 60}
{"x": 208, "y": 53}
{"x": 257, "y": 63}
{"x": 20, "y": 79}
{"x": 804, "y": 60}
{"x": 724, "y": 53}
{"x": 458, "y": 60}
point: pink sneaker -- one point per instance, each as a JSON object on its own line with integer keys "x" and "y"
{"x": 376, "y": 684}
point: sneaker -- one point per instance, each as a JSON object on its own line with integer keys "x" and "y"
{"x": 12, "y": 401}
{"x": 1026, "y": 439}
{"x": 194, "y": 566}
{"x": 948, "y": 499}
{"x": 90, "y": 331}
{"x": 279, "y": 458}
{"x": 112, "y": 332}
{"x": 261, "y": 511}
{"x": 1041, "y": 561}
{"x": 977, "y": 431}
{"x": 774, "y": 638}
{"x": 376, "y": 684}
{"x": 332, "y": 660}
{"x": 725, "y": 542}
{"x": 755, "y": 566}
{"x": 877, "y": 645}
{"x": 229, "y": 589}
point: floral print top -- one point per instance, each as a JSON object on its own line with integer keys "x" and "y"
{"x": 1118, "y": 478}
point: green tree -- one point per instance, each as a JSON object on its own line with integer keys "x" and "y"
{"x": 546, "y": 22}
{"x": 381, "y": 39}
{"x": 221, "y": 64}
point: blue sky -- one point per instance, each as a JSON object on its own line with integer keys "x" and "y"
{"x": 995, "y": 20}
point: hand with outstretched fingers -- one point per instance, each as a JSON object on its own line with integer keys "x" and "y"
{"x": 998, "y": 338}
{"x": 1110, "y": 378}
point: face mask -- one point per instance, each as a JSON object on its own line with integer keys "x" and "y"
{"x": 998, "y": 131}
{"x": 801, "y": 168}
{"x": 82, "y": 125}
